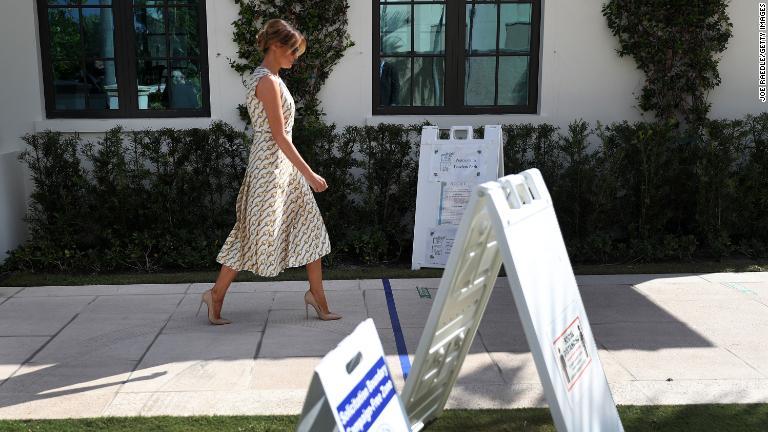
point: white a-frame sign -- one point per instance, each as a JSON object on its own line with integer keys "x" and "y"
{"x": 512, "y": 220}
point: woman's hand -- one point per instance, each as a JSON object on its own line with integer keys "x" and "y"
{"x": 316, "y": 182}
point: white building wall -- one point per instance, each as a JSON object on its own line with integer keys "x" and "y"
{"x": 580, "y": 77}
{"x": 20, "y": 101}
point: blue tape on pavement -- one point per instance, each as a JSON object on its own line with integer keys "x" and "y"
{"x": 402, "y": 351}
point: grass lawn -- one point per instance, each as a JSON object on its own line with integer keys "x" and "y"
{"x": 674, "y": 418}
{"x": 359, "y": 272}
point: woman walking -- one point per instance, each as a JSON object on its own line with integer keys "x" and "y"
{"x": 278, "y": 223}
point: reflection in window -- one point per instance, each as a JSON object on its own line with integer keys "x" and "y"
{"x": 167, "y": 55}
{"x": 82, "y": 55}
{"x": 497, "y": 68}
{"x": 412, "y": 54}
{"x": 92, "y": 71}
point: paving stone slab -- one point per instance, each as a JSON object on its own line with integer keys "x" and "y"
{"x": 51, "y": 379}
{"x": 226, "y": 345}
{"x": 279, "y": 286}
{"x": 699, "y": 291}
{"x": 247, "y": 311}
{"x": 339, "y": 301}
{"x": 412, "y": 336}
{"x": 395, "y": 368}
{"x": 503, "y": 335}
{"x": 89, "y": 342}
{"x": 742, "y": 333}
{"x": 723, "y": 313}
{"x": 244, "y": 402}
{"x": 754, "y": 354}
{"x": 649, "y": 336}
{"x": 516, "y": 368}
{"x": 68, "y": 291}
{"x": 150, "y": 289}
{"x": 294, "y": 373}
{"x": 14, "y": 351}
{"x": 134, "y": 307}
{"x": 479, "y": 368}
{"x": 703, "y": 332}
{"x": 399, "y": 284}
{"x": 637, "y": 279}
{"x": 620, "y": 303}
{"x": 303, "y": 338}
{"x": 196, "y": 362}
{"x": 628, "y": 393}
{"x": 6, "y": 292}
{"x": 737, "y": 277}
{"x": 38, "y": 316}
{"x": 614, "y": 371}
{"x": 751, "y": 289}
{"x": 705, "y": 391}
{"x": 499, "y": 396}
{"x": 192, "y": 375}
{"x": 74, "y": 405}
{"x": 412, "y": 310}
{"x": 299, "y": 318}
{"x": 712, "y": 363}
{"x": 519, "y": 367}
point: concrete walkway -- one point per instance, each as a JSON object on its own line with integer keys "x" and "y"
{"x": 144, "y": 350}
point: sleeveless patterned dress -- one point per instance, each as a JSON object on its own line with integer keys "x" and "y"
{"x": 278, "y": 222}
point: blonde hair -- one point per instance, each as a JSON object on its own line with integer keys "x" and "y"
{"x": 277, "y": 30}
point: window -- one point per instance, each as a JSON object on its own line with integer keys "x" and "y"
{"x": 124, "y": 58}
{"x": 455, "y": 57}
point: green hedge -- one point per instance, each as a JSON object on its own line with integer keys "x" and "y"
{"x": 149, "y": 200}
{"x": 165, "y": 200}
{"x": 648, "y": 192}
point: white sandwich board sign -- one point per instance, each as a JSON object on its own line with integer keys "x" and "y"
{"x": 512, "y": 221}
{"x": 449, "y": 170}
{"x": 352, "y": 389}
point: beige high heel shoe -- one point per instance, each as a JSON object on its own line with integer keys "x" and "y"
{"x": 208, "y": 300}
{"x": 309, "y": 300}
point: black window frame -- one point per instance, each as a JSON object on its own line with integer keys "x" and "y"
{"x": 455, "y": 39}
{"x": 125, "y": 68}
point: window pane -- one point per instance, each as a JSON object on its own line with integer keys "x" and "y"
{"x": 429, "y": 25}
{"x": 100, "y": 79}
{"x": 395, "y": 25}
{"x": 162, "y": 2}
{"x": 65, "y": 34}
{"x": 186, "y": 90}
{"x": 152, "y": 77}
{"x": 149, "y": 24}
{"x": 480, "y": 81}
{"x": 68, "y": 86}
{"x": 81, "y": 2}
{"x": 428, "y": 81}
{"x": 515, "y": 32}
{"x": 513, "y": 80}
{"x": 481, "y": 28}
{"x": 184, "y": 32}
{"x": 394, "y": 82}
{"x": 98, "y": 28}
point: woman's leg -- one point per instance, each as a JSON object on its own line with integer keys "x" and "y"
{"x": 315, "y": 276}
{"x": 219, "y": 290}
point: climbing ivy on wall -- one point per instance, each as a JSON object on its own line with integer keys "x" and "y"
{"x": 323, "y": 23}
{"x": 676, "y": 44}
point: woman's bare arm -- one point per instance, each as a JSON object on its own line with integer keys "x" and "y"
{"x": 268, "y": 92}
